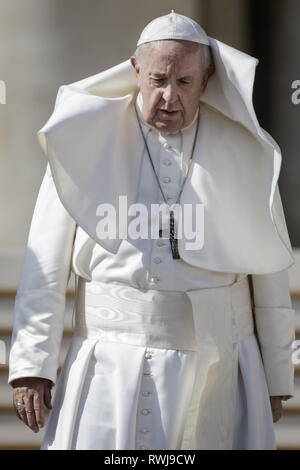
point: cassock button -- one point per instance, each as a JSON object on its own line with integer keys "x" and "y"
{"x": 144, "y": 430}
{"x": 167, "y": 162}
{"x": 155, "y": 279}
{"x": 146, "y": 394}
{"x": 157, "y": 260}
{"x": 145, "y": 412}
{"x": 160, "y": 243}
{"x": 144, "y": 448}
{"x": 148, "y": 355}
{"x": 167, "y": 179}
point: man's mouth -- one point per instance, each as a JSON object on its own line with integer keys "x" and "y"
{"x": 168, "y": 114}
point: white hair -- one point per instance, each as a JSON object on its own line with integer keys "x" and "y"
{"x": 207, "y": 59}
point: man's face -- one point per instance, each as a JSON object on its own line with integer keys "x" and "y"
{"x": 171, "y": 79}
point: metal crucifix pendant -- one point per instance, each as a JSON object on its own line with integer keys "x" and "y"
{"x": 173, "y": 239}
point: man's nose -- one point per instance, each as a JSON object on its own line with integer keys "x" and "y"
{"x": 170, "y": 94}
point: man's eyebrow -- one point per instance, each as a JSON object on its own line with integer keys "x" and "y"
{"x": 162, "y": 75}
{"x": 157, "y": 75}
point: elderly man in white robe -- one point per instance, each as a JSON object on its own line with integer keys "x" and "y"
{"x": 175, "y": 346}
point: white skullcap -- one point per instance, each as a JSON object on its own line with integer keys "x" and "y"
{"x": 173, "y": 26}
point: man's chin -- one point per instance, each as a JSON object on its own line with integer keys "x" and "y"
{"x": 168, "y": 126}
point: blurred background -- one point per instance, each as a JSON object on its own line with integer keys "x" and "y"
{"x": 47, "y": 43}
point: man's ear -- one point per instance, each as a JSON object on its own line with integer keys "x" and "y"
{"x": 135, "y": 64}
{"x": 136, "y": 67}
{"x": 209, "y": 72}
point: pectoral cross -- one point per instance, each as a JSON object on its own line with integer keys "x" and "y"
{"x": 173, "y": 239}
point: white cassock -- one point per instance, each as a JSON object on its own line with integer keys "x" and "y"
{"x": 129, "y": 378}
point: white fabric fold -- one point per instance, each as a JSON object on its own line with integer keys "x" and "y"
{"x": 275, "y": 323}
{"x": 40, "y": 300}
{"x": 222, "y": 319}
{"x": 276, "y": 334}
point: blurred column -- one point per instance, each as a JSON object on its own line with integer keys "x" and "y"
{"x": 276, "y": 42}
{"x": 284, "y": 115}
{"x": 27, "y": 62}
{"x": 228, "y": 21}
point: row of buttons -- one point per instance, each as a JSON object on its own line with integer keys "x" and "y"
{"x": 165, "y": 144}
{"x": 166, "y": 179}
{"x": 155, "y": 279}
{"x": 157, "y": 260}
{"x": 167, "y": 162}
{"x": 145, "y": 412}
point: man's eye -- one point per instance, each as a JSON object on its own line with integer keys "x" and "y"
{"x": 184, "y": 82}
{"x": 157, "y": 81}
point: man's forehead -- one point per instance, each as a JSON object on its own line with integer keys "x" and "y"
{"x": 171, "y": 54}
{"x": 171, "y": 51}
{"x": 165, "y": 45}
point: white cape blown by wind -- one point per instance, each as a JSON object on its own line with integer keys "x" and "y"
{"x": 93, "y": 161}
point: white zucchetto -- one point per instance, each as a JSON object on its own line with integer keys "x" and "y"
{"x": 173, "y": 26}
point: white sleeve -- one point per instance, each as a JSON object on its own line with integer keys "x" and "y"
{"x": 41, "y": 295}
{"x": 275, "y": 328}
